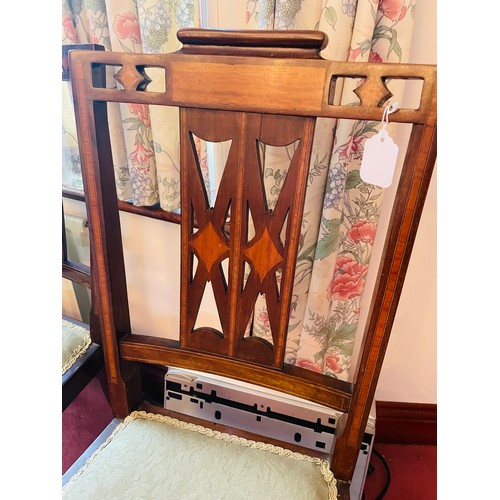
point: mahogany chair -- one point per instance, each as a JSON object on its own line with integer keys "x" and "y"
{"x": 82, "y": 357}
{"x": 247, "y": 87}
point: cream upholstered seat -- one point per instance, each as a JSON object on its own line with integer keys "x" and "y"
{"x": 250, "y": 88}
{"x": 154, "y": 456}
{"x": 75, "y": 342}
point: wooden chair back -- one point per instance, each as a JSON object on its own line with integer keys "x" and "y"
{"x": 246, "y": 87}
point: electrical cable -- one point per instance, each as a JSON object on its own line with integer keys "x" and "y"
{"x": 370, "y": 471}
{"x": 387, "y": 472}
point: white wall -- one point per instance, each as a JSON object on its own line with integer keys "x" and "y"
{"x": 410, "y": 367}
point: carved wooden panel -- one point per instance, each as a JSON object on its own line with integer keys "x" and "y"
{"x": 210, "y": 243}
{"x": 241, "y": 200}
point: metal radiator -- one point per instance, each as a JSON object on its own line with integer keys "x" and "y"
{"x": 262, "y": 411}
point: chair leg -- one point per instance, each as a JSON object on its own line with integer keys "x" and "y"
{"x": 125, "y": 391}
{"x": 348, "y": 443}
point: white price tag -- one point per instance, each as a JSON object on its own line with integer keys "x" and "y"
{"x": 380, "y": 154}
{"x": 379, "y": 160}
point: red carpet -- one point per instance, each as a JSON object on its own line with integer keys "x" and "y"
{"x": 413, "y": 472}
{"x": 412, "y": 468}
{"x": 82, "y": 421}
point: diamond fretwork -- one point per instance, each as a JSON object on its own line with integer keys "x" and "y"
{"x": 263, "y": 254}
{"x": 373, "y": 92}
{"x": 209, "y": 246}
{"x": 131, "y": 78}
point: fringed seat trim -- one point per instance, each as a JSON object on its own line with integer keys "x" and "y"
{"x": 322, "y": 464}
{"x": 80, "y": 349}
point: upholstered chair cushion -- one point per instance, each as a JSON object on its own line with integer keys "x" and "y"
{"x": 75, "y": 341}
{"x": 152, "y": 456}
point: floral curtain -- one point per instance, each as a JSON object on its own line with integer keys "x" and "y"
{"x": 341, "y": 212}
{"x": 146, "y": 163}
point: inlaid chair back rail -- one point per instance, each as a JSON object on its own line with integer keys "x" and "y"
{"x": 246, "y": 99}
{"x": 300, "y": 87}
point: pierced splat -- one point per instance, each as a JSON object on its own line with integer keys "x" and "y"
{"x": 252, "y": 245}
{"x": 265, "y": 251}
{"x": 132, "y": 77}
{"x": 211, "y": 243}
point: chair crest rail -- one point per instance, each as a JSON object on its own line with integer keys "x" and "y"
{"x": 256, "y": 86}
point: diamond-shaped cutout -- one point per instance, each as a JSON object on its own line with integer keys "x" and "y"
{"x": 341, "y": 89}
{"x": 412, "y": 89}
{"x": 263, "y": 254}
{"x": 132, "y": 78}
{"x": 209, "y": 246}
{"x": 372, "y": 92}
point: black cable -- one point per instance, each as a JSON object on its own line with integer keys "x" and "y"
{"x": 387, "y": 472}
